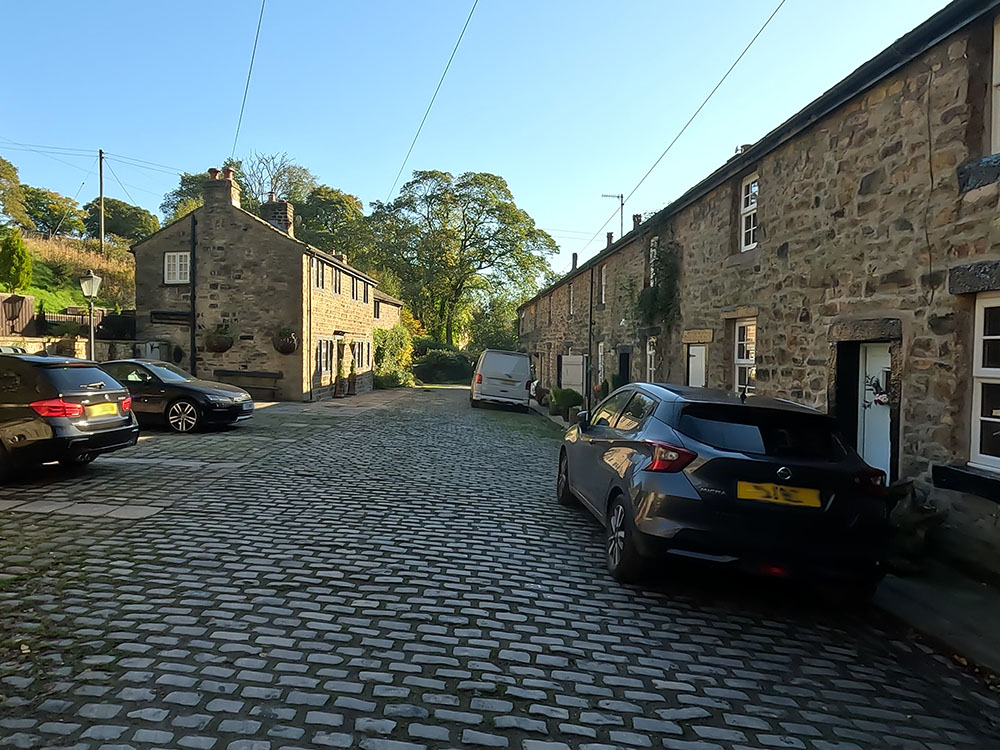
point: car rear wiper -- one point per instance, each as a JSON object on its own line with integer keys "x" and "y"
{"x": 93, "y": 385}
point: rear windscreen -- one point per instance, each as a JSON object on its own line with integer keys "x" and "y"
{"x": 81, "y": 379}
{"x": 763, "y": 431}
{"x": 507, "y": 364}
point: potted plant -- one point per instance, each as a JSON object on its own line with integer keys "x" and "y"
{"x": 340, "y": 384}
{"x": 219, "y": 339}
{"x": 554, "y": 396}
{"x": 352, "y": 379}
{"x": 285, "y": 341}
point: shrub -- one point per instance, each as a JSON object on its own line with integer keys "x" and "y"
{"x": 424, "y": 344}
{"x": 393, "y": 350}
{"x": 565, "y": 398}
{"x": 403, "y": 379}
{"x": 443, "y": 366}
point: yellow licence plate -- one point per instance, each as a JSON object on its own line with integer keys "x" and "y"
{"x": 778, "y": 493}
{"x": 109, "y": 409}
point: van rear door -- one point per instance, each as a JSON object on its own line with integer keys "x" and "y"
{"x": 505, "y": 375}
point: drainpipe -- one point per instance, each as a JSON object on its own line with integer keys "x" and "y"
{"x": 307, "y": 363}
{"x": 590, "y": 342}
{"x": 192, "y": 278}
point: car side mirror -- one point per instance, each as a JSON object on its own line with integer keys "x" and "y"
{"x": 583, "y": 419}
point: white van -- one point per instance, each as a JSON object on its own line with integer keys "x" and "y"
{"x": 501, "y": 377}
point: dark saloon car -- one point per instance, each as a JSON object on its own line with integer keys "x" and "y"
{"x": 164, "y": 393}
{"x": 761, "y": 483}
{"x": 58, "y": 409}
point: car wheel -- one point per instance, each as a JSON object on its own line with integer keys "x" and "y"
{"x": 855, "y": 594}
{"x": 564, "y": 494}
{"x": 624, "y": 562}
{"x": 183, "y": 416}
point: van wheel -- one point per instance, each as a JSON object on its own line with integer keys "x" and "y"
{"x": 474, "y": 403}
{"x": 624, "y": 562}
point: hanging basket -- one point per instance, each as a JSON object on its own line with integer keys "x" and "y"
{"x": 218, "y": 342}
{"x": 285, "y": 342}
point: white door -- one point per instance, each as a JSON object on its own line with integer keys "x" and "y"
{"x": 573, "y": 372}
{"x": 874, "y": 444}
{"x": 696, "y": 365}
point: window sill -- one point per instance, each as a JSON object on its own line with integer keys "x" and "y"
{"x": 177, "y": 283}
{"x": 969, "y": 479}
{"x": 745, "y": 258}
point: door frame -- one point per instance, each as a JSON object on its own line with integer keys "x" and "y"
{"x": 687, "y": 363}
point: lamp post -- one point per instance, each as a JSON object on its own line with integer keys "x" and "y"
{"x": 91, "y": 285}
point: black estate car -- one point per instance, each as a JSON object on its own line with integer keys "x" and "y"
{"x": 58, "y": 409}
{"x": 760, "y": 483}
{"x": 165, "y": 393}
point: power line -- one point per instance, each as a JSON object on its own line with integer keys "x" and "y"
{"x": 127, "y": 193}
{"x": 253, "y": 54}
{"x": 140, "y": 166}
{"x": 690, "y": 120}
{"x": 18, "y": 147}
{"x": 431, "y": 104}
{"x": 76, "y": 195}
{"x": 144, "y": 161}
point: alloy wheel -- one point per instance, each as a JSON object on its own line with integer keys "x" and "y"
{"x": 616, "y": 535}
{"x": 182, "y": 416}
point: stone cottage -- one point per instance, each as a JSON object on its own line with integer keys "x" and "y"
{"x": 388, "y": 310}
{"x": 238, "y": 298}
{"x": 849, "y": 260}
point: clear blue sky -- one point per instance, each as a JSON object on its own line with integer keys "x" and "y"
{"x": 566, "y": 99}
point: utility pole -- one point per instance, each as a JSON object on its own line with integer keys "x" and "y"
{"x": 100, "y": 161}
{"x": 621, "y": 211}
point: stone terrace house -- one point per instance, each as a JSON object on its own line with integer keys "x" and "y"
{"x": 388, "y": 310}
{"x": 249, "y": 279}
{"x": 849, "y": 260}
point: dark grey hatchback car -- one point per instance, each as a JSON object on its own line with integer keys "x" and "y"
{"x": 762, "y": 484}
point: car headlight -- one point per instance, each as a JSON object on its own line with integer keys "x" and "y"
{"x": 219, "y": 400}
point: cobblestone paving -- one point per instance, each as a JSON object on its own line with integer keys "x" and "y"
{"x": 401, "y": 577}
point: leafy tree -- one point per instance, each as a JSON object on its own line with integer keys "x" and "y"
{"x": 50, "y": 212}
{"x": 12, "y": 196}
{"x": 189, "y": 191}
{"x": 120, "y": 218}
{"x": 15, "y": 262}
{"x": 446, "y": 237}
{"x": 493, "y": 324}
{"x": 333, "y": 220}
{"x": 261, "y": 174}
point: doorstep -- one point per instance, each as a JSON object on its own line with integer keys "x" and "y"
{"x": 957, "y": 611}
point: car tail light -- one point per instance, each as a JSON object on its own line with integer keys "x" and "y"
{"x": 127, "y": 404}
{"x": 871, "y": 481}
{"x": 669, "y": 458}
{"x": 479, "y": 378}
{"x": 527, "y": 385}
{"x": 57, "y": 407}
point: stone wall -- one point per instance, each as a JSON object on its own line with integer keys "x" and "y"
{"x": 105, "y": 349}
{"x": 860, "y": 218}
{"x": 390, "y": 315}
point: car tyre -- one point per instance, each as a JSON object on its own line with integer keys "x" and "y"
{"x": 624, "y": 561}
{"x": 855, "y": 594}
{"x": 4, "y": 465}
{"x": 474, "y": 403}
{"x": 183, "y": 416}
{"x": 564, "y": 495}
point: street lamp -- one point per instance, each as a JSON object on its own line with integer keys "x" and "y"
{"x": 91, "y": 285}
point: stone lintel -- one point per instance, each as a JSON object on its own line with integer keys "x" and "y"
{"x": 742, "y": 311}
{"x": 698, "y": 336}
{"x": 867, "y": 329}
{"x": 973, "y": 278}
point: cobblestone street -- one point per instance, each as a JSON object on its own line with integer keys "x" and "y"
{"x": 393, "y": 572}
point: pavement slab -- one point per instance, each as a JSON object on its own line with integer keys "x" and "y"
{"x": 402, "y": 577}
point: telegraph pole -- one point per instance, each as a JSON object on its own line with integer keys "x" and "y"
{"x": 100, "y": 161}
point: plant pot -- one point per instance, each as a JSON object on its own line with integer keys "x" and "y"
{"x": 352, "y": 385}
{"x": 574, "y": 412}
{"x": 553, "y": 407}
{"x": 339, "y": 388}
{"x": 218, "y": 342}
{"x": 286, "y": 344}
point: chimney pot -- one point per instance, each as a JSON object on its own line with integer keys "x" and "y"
{"x": 213, "y": 173}
{"x": 611, "y": 238}
{"x": 574, "y": 262}
{"x": 636, "y": 220}
{"x": 271, "y": 197}
{"x": 227, "y": 172}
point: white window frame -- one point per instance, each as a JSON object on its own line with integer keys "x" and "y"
{"x": 603, "y": 281}
{"x": 571, "y": 298}
{"x": 651, "y": 359}
{"x": 177, "y": 277}
{"x": 745, "y": 362}
{"x": 980, "y": 376}
{"x": 654, "y": 249}
{"x": 600, "y": 363}
{"x": 748, "y": 212}
{"x": 995, "y": 87}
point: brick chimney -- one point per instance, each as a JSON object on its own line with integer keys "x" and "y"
{"x": 221, "y": 191}
{"x": 574, "y": 262}
{"x": 636, "y": 220}
{"x": 611, "y": 238}
{"x": 280, "y": 214}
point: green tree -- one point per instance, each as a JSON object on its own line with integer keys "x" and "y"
{"x": 50, "y": 212}
{"x": 334, "y": 221}
{"x": 189, "y": 191}
{"x": 134, "y": 223}
{"x": 12, "y": 196}
{"x": 446, "y": 237}
{"x": 493, "y": 324}
{"x": 15, "y": 262}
